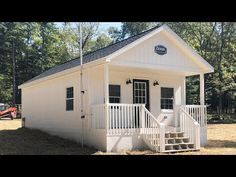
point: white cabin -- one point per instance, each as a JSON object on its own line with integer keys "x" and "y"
{"x": 133, "y": 97}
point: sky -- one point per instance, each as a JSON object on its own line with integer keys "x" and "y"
{"x": 103, "y": 27}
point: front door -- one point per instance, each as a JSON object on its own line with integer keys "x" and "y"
{"x": 141, "y": 92}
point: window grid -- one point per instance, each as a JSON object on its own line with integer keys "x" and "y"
{"x": 167, "y": 98}
{"x": 114, "y": 93}
{"x": 140, "y": 92}
{"x": 70, "y": 99}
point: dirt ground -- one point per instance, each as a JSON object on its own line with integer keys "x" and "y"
{"x": 23, "y": 141}
{"x": 221, "y": 141}
{"x": 15, "y": 140}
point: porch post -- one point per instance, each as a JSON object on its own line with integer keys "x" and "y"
{"x": 202, "y": 90}
{"x": 106, "y": 83}
{"x": 184, "y": 91}
{"x": 106, "y": 93}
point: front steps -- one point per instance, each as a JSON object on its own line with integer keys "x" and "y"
{"x": 174, "y": 142}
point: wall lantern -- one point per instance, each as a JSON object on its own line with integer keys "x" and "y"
{"x": 128, "y": 81}
{"x": 155, "y": 83}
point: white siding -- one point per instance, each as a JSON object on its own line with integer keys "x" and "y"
{"x": 44, "y": 107}
{"x": 176, "y": 82}
{"x": 144, "y": 54}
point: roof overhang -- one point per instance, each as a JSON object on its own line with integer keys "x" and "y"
{"x": 65, "y": 72}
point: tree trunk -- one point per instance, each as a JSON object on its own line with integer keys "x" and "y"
{"x": 13, "y": 75}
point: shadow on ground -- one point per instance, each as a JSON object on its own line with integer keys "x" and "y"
{"x": 221, "y": 144}
{"x": 23, "y": 141}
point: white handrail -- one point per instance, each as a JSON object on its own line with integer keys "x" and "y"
{"x": 153, "y": 131}
{"x": 197, "y": 112}
{"x": 190, "y": 127}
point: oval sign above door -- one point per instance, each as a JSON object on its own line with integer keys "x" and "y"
{"x": 160, "y": 49}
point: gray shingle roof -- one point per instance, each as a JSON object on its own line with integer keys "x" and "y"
{"x": 91, "y": 56}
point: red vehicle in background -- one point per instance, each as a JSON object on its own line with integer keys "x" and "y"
{"x": 7, "y": 111}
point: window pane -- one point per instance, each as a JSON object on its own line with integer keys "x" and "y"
{"x": 114, "y": 100}
{"x": 70, "y": 92}
{"x": 167, "y": 92}
{"x": 167, "y": 95}
{"x": 140, "y": 93}
{"x": 69, "y": 105}
{"x": 114, "y": 90}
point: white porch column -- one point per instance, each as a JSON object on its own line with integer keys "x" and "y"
{"x": 106, "y": 83}
{"x": 202, "y": 90}
{"x": 184, "y": 91}
{"x": 106, "y": 94}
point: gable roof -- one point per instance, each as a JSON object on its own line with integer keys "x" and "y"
{"x": 117, "y": 48}
{"x": 91, "y": 56}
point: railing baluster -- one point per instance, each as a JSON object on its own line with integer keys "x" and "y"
{"x": 119, "y": 126}
{"x": 130, "y": 109}
{"x": 113, "y": 120}
{"x": 116, "y": 119}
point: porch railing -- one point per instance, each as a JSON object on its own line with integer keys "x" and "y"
{"x": 197, "y": 112}
{"x": 190, "y": 127}
{"x": 128, "y": 119}
{"x": 123, "y": 118}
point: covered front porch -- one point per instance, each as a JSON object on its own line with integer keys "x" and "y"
{"x": 147, "y": 104}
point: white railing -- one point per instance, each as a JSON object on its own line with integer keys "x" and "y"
{"x": 123, "y": 118}
{"x": 153, "y": 131}
{"x": 190, "y": 127}
{"x": 129, "y": 119}
{"x": 197, "y": 112}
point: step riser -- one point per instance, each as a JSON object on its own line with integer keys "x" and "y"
{"x": 174, "y": 142}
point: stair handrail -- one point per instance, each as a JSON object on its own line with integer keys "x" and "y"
{"x": 150, "y": 132}
{"x": 185, "y": 126}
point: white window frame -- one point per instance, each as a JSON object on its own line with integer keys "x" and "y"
{"x": 115, "y": 96}
{"x": 167, "y": 110}
{"x": 71, "y": 98}
{"x": 141, "y": 96}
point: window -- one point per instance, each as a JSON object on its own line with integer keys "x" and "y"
{"x": 140, "y": 90}
{"x": 69, "y": 99}
{"x": 167, "y": 97}
{"x": 114, "y": 93}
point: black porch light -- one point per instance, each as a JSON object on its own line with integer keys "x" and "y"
{"x": 128, "y": 81}
{"x": 155, "y": 83}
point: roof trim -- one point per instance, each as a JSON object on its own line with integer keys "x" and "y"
{"x": 187, "y": 48}
{"x": 138, "y": 41}
{"x": 64, "y": 72}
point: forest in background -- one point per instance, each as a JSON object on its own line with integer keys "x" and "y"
{"x": 29, "y": 48}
